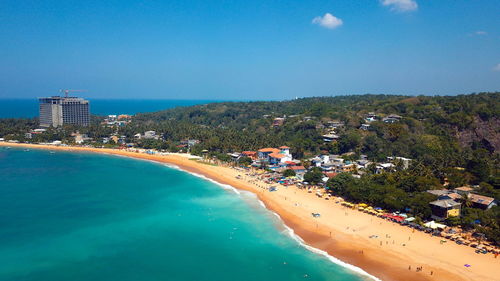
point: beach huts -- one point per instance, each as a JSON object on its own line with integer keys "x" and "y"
{"x": 458, "y": 194}
{"x": 481, "y": 201}
{"x": 445, "y": 208}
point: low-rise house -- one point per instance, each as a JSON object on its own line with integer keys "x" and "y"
{"x": 347, "y": 168}
{"x": 263, "y": 154}
{"x": 395, "y": 116}
{"x": 384, "y": 167}
{"x": 330, "y": 137}
{"x": 370, "y": 117}
{"x": 317, "y": 161}
{"x": 299, "y": 170}
{"x": 150, "y": 135}
{"x": 334, "y": 124}
{"x": 463, "y": 190}
{"x": 481, "y": 201}
{"x": 278, "y": 158}
{"x": 443, "y": 209}
{"x": 275, "y": 156}
{"x": 405, "y": 162}
{"x": 124, "y": 117}
{"x": 365, "y": 127}
{"x": 458, "y": 194}
{"x": 363, "y": 163}
{"x": 235, "y": 155}
{"x": 251, "y": 154}
{"x": 330, "y": 174}
{"x": 278, "y": 122}
{"x": 389, "y": 120}
{"x": 439, "y": 192}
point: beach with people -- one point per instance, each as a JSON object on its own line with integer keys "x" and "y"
{"x": 379, "y": 246}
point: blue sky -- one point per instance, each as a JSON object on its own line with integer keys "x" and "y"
{"x": 247, "y": 50}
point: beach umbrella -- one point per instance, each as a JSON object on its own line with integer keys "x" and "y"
{"x": 467, "y": 265}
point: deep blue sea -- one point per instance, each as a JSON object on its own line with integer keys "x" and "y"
{"x": 82, "y": 216}
{"x": 28, "y": 108}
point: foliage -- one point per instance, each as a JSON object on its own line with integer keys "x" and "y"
{"x": 289, "y": 173}
{"x": 313, "y": 176}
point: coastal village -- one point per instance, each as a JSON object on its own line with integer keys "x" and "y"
{"x": 277, "y": 168}
{"x": 283, "y": 175}
{"x": 250, "y": 140}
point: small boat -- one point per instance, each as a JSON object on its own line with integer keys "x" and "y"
{"x": 52, "y": 152}
{"x": 26, "y": 150}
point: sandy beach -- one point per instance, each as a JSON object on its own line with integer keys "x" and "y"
{"x": 394, "y": 254}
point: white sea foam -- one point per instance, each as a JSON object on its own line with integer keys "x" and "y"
{"x": 289, "y": 231}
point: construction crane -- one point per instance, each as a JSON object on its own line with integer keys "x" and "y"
{"x": 67, "y": 91}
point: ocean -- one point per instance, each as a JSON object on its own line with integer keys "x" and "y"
{"x": 28, "y": 108}
{"x": 83, "y": 216}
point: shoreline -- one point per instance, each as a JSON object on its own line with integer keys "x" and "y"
{"x": 290, "y": 231}
{"x": 341, "y": 233}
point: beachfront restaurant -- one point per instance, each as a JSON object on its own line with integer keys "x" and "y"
{"x": 443, "y": 209}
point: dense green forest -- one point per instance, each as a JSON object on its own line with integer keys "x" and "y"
{"x": 439, "y": 132}
{"x": 451, "y": 139}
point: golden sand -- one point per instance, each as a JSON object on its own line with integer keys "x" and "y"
{"x": 343, "y": 233}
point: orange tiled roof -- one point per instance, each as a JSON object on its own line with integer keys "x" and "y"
{"x": 277, "y": 155}
{"x": 269, "y": 149}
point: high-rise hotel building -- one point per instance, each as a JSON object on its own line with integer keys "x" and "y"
{"x": 56, "y": 111}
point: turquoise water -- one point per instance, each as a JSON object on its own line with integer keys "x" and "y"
{"x": 28, "y": 108}
{"x": 79, "y": 216}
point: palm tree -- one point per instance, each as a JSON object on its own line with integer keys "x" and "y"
{"x": 466, "y": 200}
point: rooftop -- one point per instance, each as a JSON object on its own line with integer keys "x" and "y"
{"x": 277, "y": 155}
{"x": 447, "y": 203}
{"x": 480, "y": 199}
{"x": 269, "y": 149}
{"x": 438, "y": 192}
{"x": 464, "y": 188}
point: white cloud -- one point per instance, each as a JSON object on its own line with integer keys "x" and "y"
{"x": 496, "y": 67}
{"x": 481, "y": 32}
{"x": 328, "y": 21}
{"x": 401, "y": 5}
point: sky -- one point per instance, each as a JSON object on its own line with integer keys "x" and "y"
{"x": 248, "y": 50}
